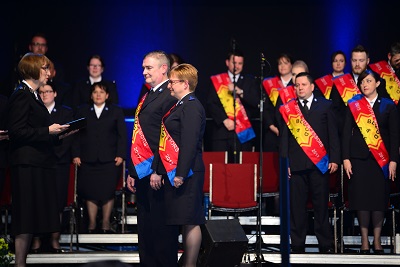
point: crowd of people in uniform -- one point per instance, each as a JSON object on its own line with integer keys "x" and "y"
{"x": 317, "y": 124}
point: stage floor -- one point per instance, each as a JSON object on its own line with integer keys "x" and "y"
{"x": 273, "y": 258}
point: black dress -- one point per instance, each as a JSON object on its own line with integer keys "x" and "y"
{"x": 33, "y": 165}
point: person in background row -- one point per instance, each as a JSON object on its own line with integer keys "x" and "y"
{"x": 82, "y": 90}
{"x": 158, "y": 243}
{"x": 99, "y": 150}
{"x": 271, "y": 131}
{"x": 338, "y": 60}
{"x": 243, "y": 94}
{"x": 59, "y": 114}
{"x": 369, "y": 178}
{"x": 32, "y": 158}
{"x": 359, "y": 63}
{"x": 39, "y": 45}
{"x": 184, "y": 126}
{"x": 394, "y": 58}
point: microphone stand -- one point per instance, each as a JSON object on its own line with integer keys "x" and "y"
{"x": 235, "y": 158}
{"x": 259, "y": 259}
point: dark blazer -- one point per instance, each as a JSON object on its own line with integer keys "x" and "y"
{"x": 155, "y": 106}
{"x": 186, "y": 124}
{"x": 353, "y": 144}
{"x": 62, "y": 114}
{"x": 27, "y": 122}
{"x": 322, "y": 119}
{"x": 81, "y": 93}
{"x": 3, "y": 143}
{"x": 250, "y": 101}
{"x": 103, "y": 138}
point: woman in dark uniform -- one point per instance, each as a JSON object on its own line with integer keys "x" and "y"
{"x": 59, "y": 114}
{"x": 99, "y": 151}
{"x": 184, "y": 124}
{"x": 32, "y": 158}
{"x": 370, "y": 177}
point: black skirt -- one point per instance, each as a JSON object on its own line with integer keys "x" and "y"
{"x": 184, "y": 205}
{"x": 98, "y": 181}
{"x": 368, "y": 188}
{"x": 34, "y": 200}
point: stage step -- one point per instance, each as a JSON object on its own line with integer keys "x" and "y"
{"x": 133, "y": 258}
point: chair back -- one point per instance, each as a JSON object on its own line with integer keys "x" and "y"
{"x": 121, "y": 179}
{"x": 270, "y": 170}
{"x": 71, "y": 185}
{"x": 233, "y": 185}
{"x": 212, "y": 157}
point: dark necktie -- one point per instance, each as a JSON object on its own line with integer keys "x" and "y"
{"x": 306, "y": 109}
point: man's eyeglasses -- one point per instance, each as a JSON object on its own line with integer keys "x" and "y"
{"x": 39, "y": 44}
{"x": 45, "y": 92}
{"x": 95, "y": 65}
{"x": 172, "y": 82}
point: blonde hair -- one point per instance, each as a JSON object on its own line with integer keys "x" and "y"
{"x": 187, "y": 72}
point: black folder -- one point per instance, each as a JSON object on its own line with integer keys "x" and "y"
{"x": 74, "y": 125}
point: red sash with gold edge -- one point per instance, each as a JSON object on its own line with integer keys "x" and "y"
{"x": 141, "y": 154}
{"x": 243, "y": 129}
{"x": 346, "y": 87}
{"x": 169, "y": 151}
{"x": 287, "y": 93}
{"x": 271, "y": 87}
{"x": 325, "y": 85}
{"x": 392, "y": 81}
{"x": 366, "y": 121}
{"x": 304, "y": 134}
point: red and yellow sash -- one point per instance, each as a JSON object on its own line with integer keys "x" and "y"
{"x": 346, "y": 87}
{"x": 271, "y": 86}
{"x": 243, "y": 129}
{"x": 169, "y": 151}
{"x": 141, "y": 154}
{"x": 392, "y": 81}
{"x": 304, "y": 134}
{"x": 365, "y": 119}
{"x": 287, "y": 93}
{"x": 325, "y": 85}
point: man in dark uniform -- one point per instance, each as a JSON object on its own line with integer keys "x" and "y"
{"x": 306, "y": 176}
{"x": 158, "y": 242}
{"x": 222, "y": 127}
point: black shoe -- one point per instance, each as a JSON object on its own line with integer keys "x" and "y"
{"x": 378, "y": 251}
{"x": 107, "y": 231}
{"x": 364, "y": 251}
{"x": 92, "y": 231}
